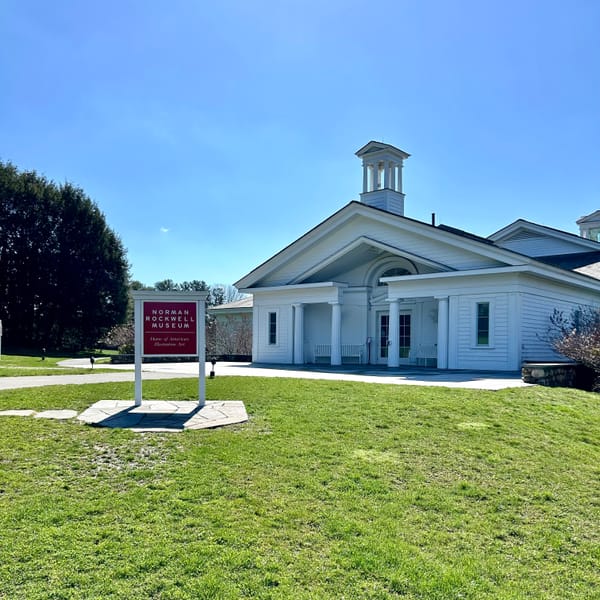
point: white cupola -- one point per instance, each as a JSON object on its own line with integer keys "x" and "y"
{"x": 589, "y": 226}
{"x": 382, "y": 176}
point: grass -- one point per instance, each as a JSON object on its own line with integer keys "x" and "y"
{"x": 19, "y": 365}
{"x": 331, "y": 490}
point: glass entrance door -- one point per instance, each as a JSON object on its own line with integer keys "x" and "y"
{"x": 404, "y": 336}
{"x": 404, "y": 341}
{"x": 384, "y": 337}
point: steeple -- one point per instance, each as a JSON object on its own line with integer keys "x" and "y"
{"x": 382, "y": 176}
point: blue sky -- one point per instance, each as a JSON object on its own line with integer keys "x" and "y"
{"x": 212, "y": 134}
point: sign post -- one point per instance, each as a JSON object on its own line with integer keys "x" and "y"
{"x": 169, "y": 324}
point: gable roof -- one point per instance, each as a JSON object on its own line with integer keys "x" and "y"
{"x": 450, "y": 236}
{"x": 563, "y": 267}
{"x": 521, "y": 226}
{"x": 592, "y": 218}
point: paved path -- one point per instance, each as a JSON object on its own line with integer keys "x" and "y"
{"x": 28, "y": 381}
{"x": 492, "y": 380}
{"x": 161, "y": 415}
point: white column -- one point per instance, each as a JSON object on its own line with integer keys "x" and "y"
{"x": 387, "y": 167}
{"x": 298, "y": 334}
{"x": 375, "y": 181}
{"x": 514, "y": 331}
{"x": 336, "y": 333}
{"x": 255, "y": 331}
{"x": 365, "y": 178}
{"x": 394, "y": 334}
{"x": 137, "y": 325}
{"x": 393, "y": 176}
{"x": 442, "y": 333}
{"x": 201, "y": 341}
{"x": 399, "y": 182}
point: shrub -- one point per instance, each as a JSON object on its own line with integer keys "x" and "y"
{"x": 577, "y": 336}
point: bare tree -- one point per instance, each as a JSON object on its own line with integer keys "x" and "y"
{"x": 577, "y": 336}
{"x": 229, "y": 334}
{"x": 222, "y": 293}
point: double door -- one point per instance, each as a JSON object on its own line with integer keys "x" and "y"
{"x": 404, "y": 337}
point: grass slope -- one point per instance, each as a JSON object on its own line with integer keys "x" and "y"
{"x": 331, "y": 490}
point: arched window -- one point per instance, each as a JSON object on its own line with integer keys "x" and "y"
{"x": 395, "y": 272}
{"x": 389, "y": 267}
{"x": 392, "y": 272}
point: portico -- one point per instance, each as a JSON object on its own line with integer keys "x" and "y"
{"x": 371, "y": 286}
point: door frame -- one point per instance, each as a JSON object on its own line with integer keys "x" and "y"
{"x": 383, "y": 360}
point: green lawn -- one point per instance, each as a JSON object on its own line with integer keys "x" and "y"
{"x": 331, "y": 490}
{"x": 19, "y": 365}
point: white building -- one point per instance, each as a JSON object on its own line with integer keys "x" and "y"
{"x": 370, "y": 285}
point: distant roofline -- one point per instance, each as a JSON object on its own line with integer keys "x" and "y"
{"x": 582, "y": 241}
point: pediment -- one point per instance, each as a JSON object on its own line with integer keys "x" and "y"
{"x": 374, "y": 148}
{"x": 364, "y": 251}
{"x": 357, "y": 235}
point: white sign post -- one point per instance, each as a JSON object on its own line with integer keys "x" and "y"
{"x": 170, "y": 324}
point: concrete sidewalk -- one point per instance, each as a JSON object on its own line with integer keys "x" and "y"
{"x": 491, "y": 380}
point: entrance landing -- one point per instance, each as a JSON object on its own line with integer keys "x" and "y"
{"x": 164, "y": 415}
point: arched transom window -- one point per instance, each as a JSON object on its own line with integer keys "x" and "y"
{"x": 394, "y": 272}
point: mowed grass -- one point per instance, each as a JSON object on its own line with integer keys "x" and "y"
{"x": 331, "y": 490}
{"x": 19, "y": 365}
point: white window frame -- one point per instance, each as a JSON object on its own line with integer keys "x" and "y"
{"x": 277, "y": 325}
{"x": 474, "y": 320}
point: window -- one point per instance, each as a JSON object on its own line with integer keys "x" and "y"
{"x": 384, "y": 335}
{"x": 594, "y": 234}
{"x": 404, "y": 335}
{"x": 483, "y": 323}
{"x": 272, "y": 328}
{"x": 393, "y": 272}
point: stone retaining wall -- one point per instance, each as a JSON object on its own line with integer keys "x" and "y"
{"x": 558, "y": 375}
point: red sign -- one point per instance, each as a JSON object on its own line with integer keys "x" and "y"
{"x": 170, "y": 328}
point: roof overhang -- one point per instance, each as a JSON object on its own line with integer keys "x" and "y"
{"x": 356, "y": 209}
{"x": 295, "y": 288}
{"x": 542, "y": 230}
{"x": 550, "y": 273}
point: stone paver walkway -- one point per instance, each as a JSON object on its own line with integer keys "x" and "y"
{"x": 152, "y": 415}
{"x": 164, "y": 415}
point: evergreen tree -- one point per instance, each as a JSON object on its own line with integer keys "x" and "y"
{"x": 63, "y": 271}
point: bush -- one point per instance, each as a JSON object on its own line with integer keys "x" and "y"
{"x": 577, "y": 336}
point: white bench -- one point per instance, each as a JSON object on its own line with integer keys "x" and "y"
{"x": 426, "y": 355}
{"x": 348, "y": 351}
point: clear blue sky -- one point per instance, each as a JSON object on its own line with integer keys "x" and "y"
{"x": 212, "y": 134}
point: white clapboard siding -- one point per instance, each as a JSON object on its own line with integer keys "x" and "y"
{"x": 413, "y": 242}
